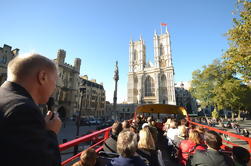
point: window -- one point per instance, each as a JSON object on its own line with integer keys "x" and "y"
{"x": 149, "y": 86}
{"x": 163, "y": 89}
{"x": 4, "y": 59}
{"x": 135, "y": 55}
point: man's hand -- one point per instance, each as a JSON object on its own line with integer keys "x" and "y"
{"x": 53, "y": 122}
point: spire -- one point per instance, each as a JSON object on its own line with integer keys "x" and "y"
{"x": 166, "y": 30}
{"x": 140, "y": 37}
{"x": 155, "y": 33}
{"x": 131, "y": 38}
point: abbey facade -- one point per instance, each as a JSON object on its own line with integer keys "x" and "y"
{"x": 151, "y": 82}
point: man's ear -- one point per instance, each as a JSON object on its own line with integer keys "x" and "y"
{"x": 42, "y": 77}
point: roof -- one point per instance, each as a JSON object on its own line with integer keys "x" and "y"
{"x": 161, "y": 108}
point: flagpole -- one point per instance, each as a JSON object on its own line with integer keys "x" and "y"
{"x": 160, "y": 29}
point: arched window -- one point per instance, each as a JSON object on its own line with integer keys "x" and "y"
{"x": 135, "y": 55}
{"x": 135, "y": 84}
{"x": 149, "y": 86}
{"x": 163, "y": 88}
{"x": 161, "y": 50}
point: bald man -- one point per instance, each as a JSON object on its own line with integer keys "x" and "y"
{"x": 26, "y": 137}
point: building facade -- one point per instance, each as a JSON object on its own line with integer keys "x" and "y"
{"x": 6, "y": 54}
{"x": 151, "y": 82}
{"x": 67, "y": 89}
{"x": 124, "y": 111}
{"x": 185, "y": 99}
{"x": 93, "y": 98}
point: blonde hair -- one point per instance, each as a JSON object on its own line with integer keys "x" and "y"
{"x": 127, "y": 143}
{"x": 146, "y": 140}
{"x": 195, "y": 136}
{"x": 87, "y": 158}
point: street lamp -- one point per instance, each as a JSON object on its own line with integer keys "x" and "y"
{"x": 82, "y": 90}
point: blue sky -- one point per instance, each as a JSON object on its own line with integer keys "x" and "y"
{"x": 98, "y": 32}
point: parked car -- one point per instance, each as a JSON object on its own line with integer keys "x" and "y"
{"x": 92, "y": 121}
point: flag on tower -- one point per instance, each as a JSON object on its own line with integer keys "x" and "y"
{"x": 163, "y": 24}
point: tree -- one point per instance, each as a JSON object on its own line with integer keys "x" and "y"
{"x": 216, "y": 85}
{"x": 204, "y": 83}
{"x": 238, "y": 56}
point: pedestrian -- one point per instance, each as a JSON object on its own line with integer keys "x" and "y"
{"x": 245, "y": 133}
{"x": 27, "y": 137}
{"x": 238, "y": 129}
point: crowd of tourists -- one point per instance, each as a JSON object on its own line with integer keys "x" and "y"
{"x": 139, "y": 142}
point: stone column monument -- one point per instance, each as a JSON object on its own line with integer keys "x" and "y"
{"x": 116, "y": 78}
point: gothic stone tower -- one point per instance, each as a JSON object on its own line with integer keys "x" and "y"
{"x": 151, "y": 82}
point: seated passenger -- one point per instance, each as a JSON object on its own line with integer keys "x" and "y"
{"x": 211, "y": 156}
{"x": 188, "y": 147}
{"x": 182, "y": 135}
{"x": 241, "y": 156}
{"x": 153, "y": 129}
{"x": 126, "y": 148}
{"x": 172, "y": 132}
{"x": 125, "y": 125}
{"x": 110, "y": 145}
{"x": 146, "y": 147}
{"x": 87, "y": 158}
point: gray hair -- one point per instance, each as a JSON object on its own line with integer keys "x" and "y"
{"x": 127, "y": 143}
{"x": 25, "y": 65}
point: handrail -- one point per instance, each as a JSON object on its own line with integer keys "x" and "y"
{"x": 85, "y": 138}
{"x": 225, "y": 132}
{"x": 77, "y": 141}
{"x": 77, "y": 155}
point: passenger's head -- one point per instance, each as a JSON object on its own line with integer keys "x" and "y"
{"x": 149, "y": 119}
{"x": 153, "y": 123}
{"x": 173, "y": 124}
{"x": 213, "y": 140}
{"x": 116, "y": 128}
{"x": 182, "y": 131}
{"x": 125, "y": 124}
{"x": 146, "y": 140}
{"x": 127, "y": 144}
{"x": 183, "y": 122}
{"x": 241, "y": 155}
{"x": 36, "y": 73}
{"x": 88, "y": 157}
{"x": 134, "y": 128}
{"x": 200, "y": 129}
{"x": 195, "y": 136}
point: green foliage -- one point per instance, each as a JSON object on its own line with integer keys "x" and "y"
{"x": 238, "y": 56}
{"x": 218, "y": 86}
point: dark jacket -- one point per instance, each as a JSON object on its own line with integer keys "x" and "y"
{"x": 210, "y": 158}
{"x": 132, "y": 161}
{"x": 110, "y": 145}
{"x": 150, "y": 155}
{"x": 24, "y": 138}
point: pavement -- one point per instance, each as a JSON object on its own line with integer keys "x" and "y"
{"x": 243, "y": 124}
{"x": 68, "y": 132}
